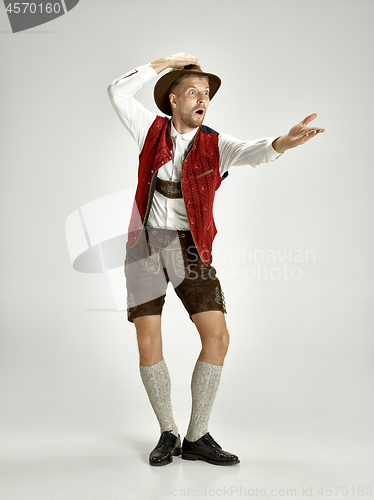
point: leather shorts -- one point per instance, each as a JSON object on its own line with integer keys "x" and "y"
{"x": 161, "y": 256}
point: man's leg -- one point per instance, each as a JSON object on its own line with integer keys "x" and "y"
{"x": 206, "y": 376}
{"x": 198, "y": 443}
{"x": 156, "y": 380}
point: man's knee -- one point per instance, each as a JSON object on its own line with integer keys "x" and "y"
{"x": 226, "y": 340}
{"x": 148, "y": 331}
{"x": 218, "y": 340}
{"x": 223, "y": 340}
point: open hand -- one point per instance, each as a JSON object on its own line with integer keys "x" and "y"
{"x": 177, "y": 61}
{"x": 182, "y": 59}
{"x": 299, "y": 134}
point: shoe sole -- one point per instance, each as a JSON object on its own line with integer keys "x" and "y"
{"x": 193, "y": 456}
{"x": 175, "y": 453}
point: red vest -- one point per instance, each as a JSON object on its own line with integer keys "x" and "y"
{"x": 200, "y": 179}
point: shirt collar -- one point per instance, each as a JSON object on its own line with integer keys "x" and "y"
{"x": 186, "y": 137}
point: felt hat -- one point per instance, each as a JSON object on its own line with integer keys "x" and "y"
{"x": 161, "y": 92}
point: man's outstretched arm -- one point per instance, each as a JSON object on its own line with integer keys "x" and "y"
{"x": 299, "y": 134}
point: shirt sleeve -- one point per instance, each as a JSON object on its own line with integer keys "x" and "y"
{"x": 234, "y": 152}
{"x": 136, "y": 118}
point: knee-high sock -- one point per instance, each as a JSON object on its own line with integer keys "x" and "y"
{"x": 156, "y": 380}
{"x": 204, "y": 386}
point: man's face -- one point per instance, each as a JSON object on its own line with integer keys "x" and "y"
{"x": 189, "y": 101}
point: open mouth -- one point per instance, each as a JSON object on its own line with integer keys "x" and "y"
{"x": 199, "y": 111}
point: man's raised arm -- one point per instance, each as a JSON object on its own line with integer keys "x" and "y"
{"x": 132, "y": 114}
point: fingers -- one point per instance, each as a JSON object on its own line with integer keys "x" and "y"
{"x": 313, "y": 129}
{"x": 311, "y": 133}
{"x": 308, "y": 119}
{"x": 183, "y": 59}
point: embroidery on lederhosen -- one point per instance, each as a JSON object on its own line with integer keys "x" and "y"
{"x": 180, "y": 264}
{"x": 131, "y": 301}
{"x": 152, "y": 262}
{"x": 220, "y": 298}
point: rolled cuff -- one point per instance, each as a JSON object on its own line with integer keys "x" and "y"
{"x": 271, "y": 153}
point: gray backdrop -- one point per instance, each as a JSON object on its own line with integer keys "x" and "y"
{"x": 295, "y": 401}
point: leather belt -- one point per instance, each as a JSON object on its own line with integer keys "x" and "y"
{"x": 168, "y": 239}
{"x": 170, "y": 189}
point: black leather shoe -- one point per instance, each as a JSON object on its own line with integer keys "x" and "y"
{"x": 208, "y": 450}
{"x": 168, "y": 446}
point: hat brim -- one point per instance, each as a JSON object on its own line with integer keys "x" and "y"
{"x": 161, "y": 92}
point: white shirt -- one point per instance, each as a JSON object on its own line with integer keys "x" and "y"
{"x": 165, "y": 212}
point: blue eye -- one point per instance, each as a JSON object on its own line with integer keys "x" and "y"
{"x": 192, "y": 91}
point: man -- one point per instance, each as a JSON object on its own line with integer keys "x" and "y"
{"x": 171, "y": 231}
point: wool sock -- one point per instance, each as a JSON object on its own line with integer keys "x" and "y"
{"x": 157, "y": 383}
{"x": 204, "y": 385}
